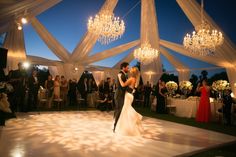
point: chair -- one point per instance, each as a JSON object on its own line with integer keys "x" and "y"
{"x": 139, "y": 101}
{"x": 58, "y": 103}
{"x": 80, "y": 100}
{"x": 153, "y": 104}
{"x": 42, "y": 97}
{"x": 170, "y": 108}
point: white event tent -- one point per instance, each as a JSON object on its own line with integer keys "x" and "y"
{"x": 225, "y": 56}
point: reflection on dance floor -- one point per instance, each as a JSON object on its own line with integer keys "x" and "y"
{"x": 85, "y": 133}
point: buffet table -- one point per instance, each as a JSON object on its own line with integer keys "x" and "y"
{"x": 188, "y": 107}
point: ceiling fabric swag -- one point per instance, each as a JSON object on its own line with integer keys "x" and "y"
{"x": 16, "y": 48}
{"x": 50, "y": 41}
{"x": 149, "y": 32}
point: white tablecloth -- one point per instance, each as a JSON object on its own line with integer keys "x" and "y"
{"x": 188, "y": 107}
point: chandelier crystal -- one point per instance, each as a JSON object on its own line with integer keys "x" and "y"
{"x": 145, "y": 54}
{"x": 203, "y": 41}
{"x": 106, "y": 26}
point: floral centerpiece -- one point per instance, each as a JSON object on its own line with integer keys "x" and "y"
{"x": 220, "y": 85}
{"x": 171, "y": 87}
{"x": 186, "y": 87}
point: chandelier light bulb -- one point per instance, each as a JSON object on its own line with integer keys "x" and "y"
{"x": 24, "y": 20}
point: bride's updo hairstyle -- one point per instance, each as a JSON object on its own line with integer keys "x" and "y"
{"x": 134, "y": 71}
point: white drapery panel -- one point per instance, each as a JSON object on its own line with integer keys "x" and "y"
{"x": 71, "y": 73}
{"x": 183, "y": 71}
{"x": 112, "y": 73}
{"x": 50, "y": 41}
{"x": 42, "y": 61}
{"x": 98, "y": 76}
{"x": 109, "y": 53}
{"x": 149, "y": 32}
{"x": 16, "y": 48}
{"x": 85, "y": 46}
{"x": 56, "y": 70}
{"x": 181, "y": 50}
{"x": 183, "y": 75}
{"x": 127, "y": 59}
{"x": 53, "y": 71}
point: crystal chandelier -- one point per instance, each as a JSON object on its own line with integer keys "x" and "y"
{"x": 145, "y": 54}
{"x": 204, "y": 41}
{"x": 106, "y": 26}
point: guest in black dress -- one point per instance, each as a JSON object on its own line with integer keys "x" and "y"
{"x": 160, "y": 94}
{"x": 227, "y": 100}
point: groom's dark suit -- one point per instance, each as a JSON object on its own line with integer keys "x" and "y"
{"x": 119, "y": 97}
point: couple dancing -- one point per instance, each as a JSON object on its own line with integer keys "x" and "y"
{"x": 127, "y": 120}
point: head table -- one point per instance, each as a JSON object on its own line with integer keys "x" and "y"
{"x": 188, "y": 107}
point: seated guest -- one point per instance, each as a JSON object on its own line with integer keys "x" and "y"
{"x": 105, "y": 103}
{"x": 5, "y": 111}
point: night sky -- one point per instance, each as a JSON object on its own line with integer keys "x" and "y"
{"x": 67, "y": 22}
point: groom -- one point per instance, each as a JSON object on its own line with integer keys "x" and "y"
{"x": 120, "y": 92}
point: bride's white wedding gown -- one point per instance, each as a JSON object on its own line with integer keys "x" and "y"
{"x": 129, "y": 123}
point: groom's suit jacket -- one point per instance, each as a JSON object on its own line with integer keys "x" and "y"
{"x": 120, "y": 91}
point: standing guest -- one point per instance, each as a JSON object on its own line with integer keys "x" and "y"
{"x": 113, "y": 85}
{"x": 160, "y": 94}
{"x": 56, "y": 87}
{"x": 49, "y": 86}
{"x": 204, "y": 108}
{"x": 72, "y": 92}
{"x": 101, "y": 88}
{"x": 227, "y": 100}
{"x": 94, "y": 86}
{"x": 91, "y": 93}
{"x": 33, "y": 85}
{"x": 83, "y": 88}
{"x": 18, "y": 80}
{"x": 64, "y": 90}
{"x": 2, "y": 75}
{"x": 90, "y": 86}
{"x": 107, "y": 86}
{"x": 147, "y": 94}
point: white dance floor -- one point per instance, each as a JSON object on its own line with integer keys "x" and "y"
{"x": 89, "y": 133}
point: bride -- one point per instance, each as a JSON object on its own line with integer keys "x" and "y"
{"x": 129, "y": 122}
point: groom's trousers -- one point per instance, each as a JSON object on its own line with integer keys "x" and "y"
{"x": 119, "y": 102}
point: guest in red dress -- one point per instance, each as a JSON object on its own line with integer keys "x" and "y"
{"x": 204, "y": 108}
